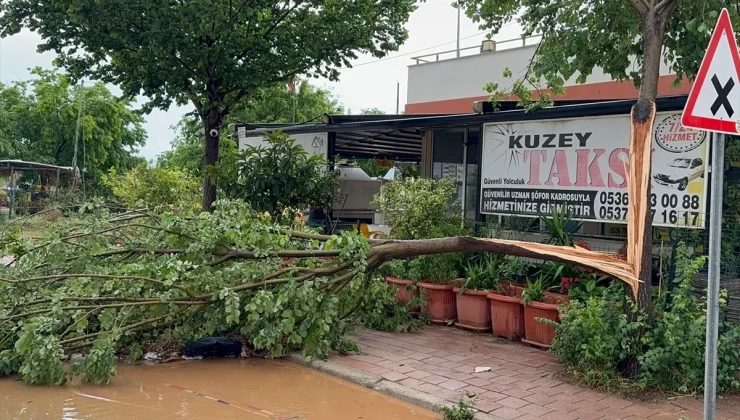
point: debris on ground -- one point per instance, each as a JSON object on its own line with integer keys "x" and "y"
{"x": 481, "y": 369}
{"x": 214, "y": 347}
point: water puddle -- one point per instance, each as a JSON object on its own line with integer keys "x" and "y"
{"x": 220, "y": 389}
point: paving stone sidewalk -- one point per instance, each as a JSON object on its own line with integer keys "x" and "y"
{"x": 523, "y": 383}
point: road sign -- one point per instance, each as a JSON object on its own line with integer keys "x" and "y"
{"x": 714, "y": 101}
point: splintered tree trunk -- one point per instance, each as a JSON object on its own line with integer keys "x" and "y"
{"x": 212, "y": 125}
{"x": 639, "y": 226}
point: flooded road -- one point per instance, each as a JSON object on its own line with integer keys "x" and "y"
{"x": 219, "y": 389}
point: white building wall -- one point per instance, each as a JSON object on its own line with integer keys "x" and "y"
{"x": 466, "y": 76}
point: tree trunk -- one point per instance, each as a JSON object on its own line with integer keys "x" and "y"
{"x": 640, "y": 225}
{"x": 385, "y": 250}
{"x": 640, "y": 245}
{"x": 640, "y": 230}
{"x": 212, "y": 125}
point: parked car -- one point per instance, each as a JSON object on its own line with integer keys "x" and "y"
{"x": 680, "y": 173}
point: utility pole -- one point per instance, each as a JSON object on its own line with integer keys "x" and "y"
{"x": 458, "y": 28}
{"x": 80, "y": 105}
{"x": 398, "y": 95}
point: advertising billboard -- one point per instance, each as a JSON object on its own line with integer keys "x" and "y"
{"x": 582, "y": 164}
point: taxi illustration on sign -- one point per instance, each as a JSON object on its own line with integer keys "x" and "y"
{"x": 680, "y": 173}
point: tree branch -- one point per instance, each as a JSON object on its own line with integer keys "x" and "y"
{"x": 663, "y": 4}
{"x": 96, "y": 276}
{"x": 97, "y": 307}
{"x": 640, "y": 5}
{"x": 134, "y": 326}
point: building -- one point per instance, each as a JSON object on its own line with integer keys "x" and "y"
{"x": 447, "y": 83}
{"x": 512, "y": 166}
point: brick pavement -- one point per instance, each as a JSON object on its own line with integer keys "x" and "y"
{"x": 522, "y": 383}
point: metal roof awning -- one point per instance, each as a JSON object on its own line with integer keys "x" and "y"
{"x": 21, "y": 165}
{"x": 400, "y": 136}
{"x": 399, "y": 144}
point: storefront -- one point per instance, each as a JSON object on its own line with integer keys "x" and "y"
{"x": 512, "y": 166}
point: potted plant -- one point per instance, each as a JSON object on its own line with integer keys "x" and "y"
{"x": 439, "y": 274}
{"x": 473, "y": 309}
{"x": 506, "y": 300}
{"x": 537, "y": 304}
{"x": 396, "y": 274}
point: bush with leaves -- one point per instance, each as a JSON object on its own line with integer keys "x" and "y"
{"x": 115, "y": 282}
{"x": 155, "y": 188}
{"x": 674, "y": 359}
{"x": 278, "y": 175}
{"x": 597, "y": 336}
{"x": 463, "y": 410}
{"x": 417, "y": 208}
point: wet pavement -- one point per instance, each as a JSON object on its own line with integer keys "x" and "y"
{"x": 523, "y": 383}
{"x": 218, "y": 389}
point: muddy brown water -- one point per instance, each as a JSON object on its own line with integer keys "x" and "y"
{"x": 219, "y": 389}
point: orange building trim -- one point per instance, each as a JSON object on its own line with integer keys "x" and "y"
{"x": 602, "y": 90}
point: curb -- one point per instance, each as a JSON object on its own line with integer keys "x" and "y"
{"x": 378, "y": 384}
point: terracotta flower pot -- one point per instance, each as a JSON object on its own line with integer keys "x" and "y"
{"x": 473, "y": 310}
{"x": 507, "y": 315}
{"x": 441, "y": 304}
{"x": 407, "y": 291}
{"x": 538, "y": 333}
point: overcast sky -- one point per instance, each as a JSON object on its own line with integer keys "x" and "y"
{"x": 372, "y": 83}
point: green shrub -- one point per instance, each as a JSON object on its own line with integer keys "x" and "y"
{"x": 674, "y": 358}
{"x": 463, "y": 410}
{"x": 597, "y": 336}
{"x": 417, "y": 208}
{"x": 155, "y": 188}
{"x": 279, "y": 175}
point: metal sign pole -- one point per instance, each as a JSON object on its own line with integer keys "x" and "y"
{"x": 715, "y": 247}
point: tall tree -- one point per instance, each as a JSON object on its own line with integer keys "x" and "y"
{"x": 39, "y": 123}
{"x": 275, "y": 104}
{"x": 579, "y": 35}
{"x": 272, "y": 104}
{"x": 211, "y": 53}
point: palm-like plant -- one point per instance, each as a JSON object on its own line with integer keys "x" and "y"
{"x": 561, "y": 227}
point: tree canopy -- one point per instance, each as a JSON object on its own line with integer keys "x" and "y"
{"x": 213, "y": 54}
{"x": 272, "y": 104}
{"x": 579, "y": 35}
{"x": 39, "y": 123}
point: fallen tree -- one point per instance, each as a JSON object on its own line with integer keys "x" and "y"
{"x": 112, "y": 282}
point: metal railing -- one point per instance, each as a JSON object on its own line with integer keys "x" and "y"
{"x": 510, "y": 43}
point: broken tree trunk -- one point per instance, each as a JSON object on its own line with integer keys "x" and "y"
{"x": 383, "y": 251}
{"x": 639, "y": 223}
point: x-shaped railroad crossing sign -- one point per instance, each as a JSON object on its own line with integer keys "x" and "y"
{"x": 722, "y": 96}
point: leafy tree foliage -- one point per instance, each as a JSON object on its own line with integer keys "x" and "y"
{"x": 212, "y": 54}
{"x": 596, "y": 337}
{"x": 272, "y": 104}
{"x": 38, "y": 121}
{"x": 276, "y": 176}
{"x": 417, "y": 208}
{"x": 128, "y": 280}
{"x": 155, "y": 188}
{"x": 372, "y": 111}
{"x": 578, "y": 35}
